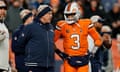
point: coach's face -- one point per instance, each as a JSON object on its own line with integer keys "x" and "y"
{"x": 47, "y": 17}
{"x": 2, "y": 10}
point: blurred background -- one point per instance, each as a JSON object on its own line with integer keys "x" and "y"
{"x": 107, "y": 9}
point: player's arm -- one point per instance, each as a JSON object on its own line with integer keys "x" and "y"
{"x": 96, "y": 37}
{"x": 62, "y": 55}
{"x": 58, "y": 30}
{"x": 58, "y": 33}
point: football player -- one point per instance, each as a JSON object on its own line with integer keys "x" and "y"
{"x": 74, "y": 32}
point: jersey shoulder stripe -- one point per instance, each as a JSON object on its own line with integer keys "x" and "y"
{"x": 60, "y": 24}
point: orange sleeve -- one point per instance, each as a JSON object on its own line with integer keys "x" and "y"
{"x": 95, "y": 35}
{"x": 58, "y": 30}
{"x": 57, "y": 35}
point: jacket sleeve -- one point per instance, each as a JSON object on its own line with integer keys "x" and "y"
{"x": 14, "y": 41}
{"x": 24, "y": 37}
{"x": 95, "y": 35}
{"x": 15, "y": 37}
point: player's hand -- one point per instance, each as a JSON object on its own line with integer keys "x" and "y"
{"x": 64, "y": 56}
{"x": 61, "y": 54}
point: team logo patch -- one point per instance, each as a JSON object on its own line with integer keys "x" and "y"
{"x": 15, "y": 38}
{"x": 80, "y": 30}
{"x": 23, "y": 34}
{"x": 51, "y": 30}
{"x": 67, "y": 31}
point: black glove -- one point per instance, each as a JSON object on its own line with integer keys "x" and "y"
{"x": 91, "y": 54}
{"x": 61, "y": 54}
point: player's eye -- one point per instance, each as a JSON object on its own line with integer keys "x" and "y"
{"x": 71, "y": 14}
{"x": 3, "y": 7}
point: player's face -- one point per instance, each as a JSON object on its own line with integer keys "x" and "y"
{"x": 70, "y": 16}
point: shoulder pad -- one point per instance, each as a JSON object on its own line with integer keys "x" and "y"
{"x": 86, "y": 22}
{"x": 60, "y": 24}
{"x": 91, "y": 25}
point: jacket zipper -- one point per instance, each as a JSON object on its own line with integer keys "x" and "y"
{"x": 48, "y": 49}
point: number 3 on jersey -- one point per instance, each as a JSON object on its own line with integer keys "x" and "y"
{"x": 76, "y": 41}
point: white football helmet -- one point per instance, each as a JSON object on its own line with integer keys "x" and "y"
{"x": 71, "y": 13}
{"x": 94, "y": 18}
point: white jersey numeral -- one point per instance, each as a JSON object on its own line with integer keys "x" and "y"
{"x": 77, "y": 41}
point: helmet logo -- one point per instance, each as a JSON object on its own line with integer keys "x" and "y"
{"x": 80, "y": 30}
{"x": 68, "y": 7}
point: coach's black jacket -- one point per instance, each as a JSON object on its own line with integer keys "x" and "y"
{"x": 37, "y": 39}
{"x": 15, "y": 37}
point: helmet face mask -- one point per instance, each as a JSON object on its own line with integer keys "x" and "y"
{"x": 70, "y": 18}
{"x": 73, "y": 14}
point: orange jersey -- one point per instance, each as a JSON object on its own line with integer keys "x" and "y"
{"x": 75, "y": 41}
